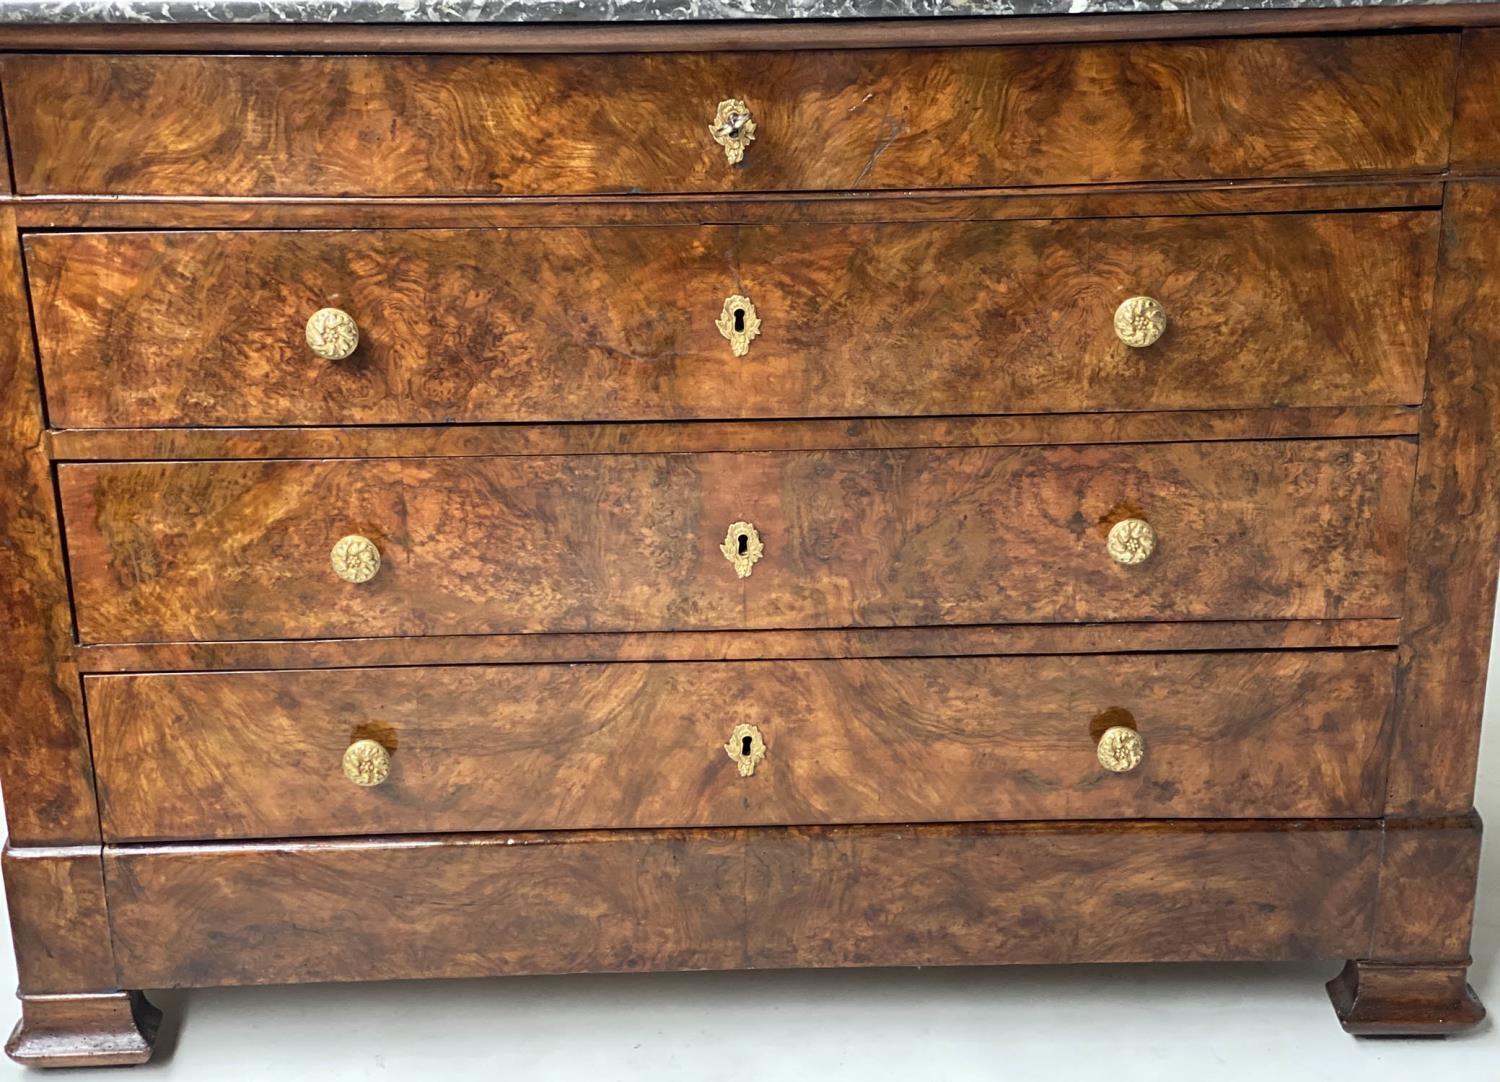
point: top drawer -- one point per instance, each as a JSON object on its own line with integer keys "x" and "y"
{"x": 856, "y": 120}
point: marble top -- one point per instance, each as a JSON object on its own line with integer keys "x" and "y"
{"x": 521, "y": 11}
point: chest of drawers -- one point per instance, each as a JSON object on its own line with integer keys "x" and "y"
{"x": 481, "y": 501}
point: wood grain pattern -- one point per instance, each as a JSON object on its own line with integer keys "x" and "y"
{"x": 187, "y": 328}
{"x": 1450, "y": 588}
{"x": 413, "y": 441}
{"x": 407, "y": 125}
{"x": 560, "y": 902}
{"x": 1476, "y": 125}
{"x": 1272, "y": 195}
{"x": 44, "y": 760}
{"x": 765, "y": 645}
{"x": 213, "y": 551}
{"x": 1427, "y": 885}
{"x": 90, "y": 1029}
{"x": 535, "y": 747}
{"x": 1375, "y": 999}
{"x": 59, "y": 921}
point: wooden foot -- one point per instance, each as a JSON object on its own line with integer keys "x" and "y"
{"x": 1388, "y": 999}
{"x": 97, "y": 1029}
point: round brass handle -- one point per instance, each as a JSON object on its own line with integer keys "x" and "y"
{"x": 366, "y": 762}
{"x": 1140, "y": 321}
{"x": 1120, "y": 749}
{"x": 332, "y": 334}
{"x": 1131, "y": 541}
{"x": 355, "y": 558}
{"x": 733, "y": 129}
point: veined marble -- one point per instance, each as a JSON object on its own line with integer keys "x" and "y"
{"x": 520, "y": 11}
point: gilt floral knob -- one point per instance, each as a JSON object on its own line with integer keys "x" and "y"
{"x": 1120, "y": 749}
{"x": 355, "y": 558}
{"x": 1131, "y": 541}
{"x": 332, "y": 334}
{"x": 367, "y": 763}
{"x": 1140, "y": 321}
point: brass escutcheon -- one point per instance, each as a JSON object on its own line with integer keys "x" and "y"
{"x": 746, "y": 747}
{"x": 742, "y": 547}
{"x": 738, "y": 322}
{"x": 733, "y": 129}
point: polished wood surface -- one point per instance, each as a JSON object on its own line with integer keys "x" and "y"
{"x": 59, "y": 919}
{"x": 878, "y": 119}
{"x": 1139, "y": 198}
{"x": 933, "y": 434}
{"x": 766, "y": 645}
{"x": 214, "y": 551}
{"x": 189, "y": 328}
{"x": 1476, "y": 124}
{"x": 523, "y": 747}
{"x": 1450, "y": 590}
{"x": 560, "y": 902}
{"x": 44, "y": 757}
{"x": 97, "y": 1029}
{"x": 1020, "y": 430}
{"x": 1378, "y": 999}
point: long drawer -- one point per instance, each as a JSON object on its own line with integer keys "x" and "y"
{"x": 664, "y": 744}
{"x": 904, "y": 319}
{"x": 859, "y": 119}
{"x": 309, "y": 549}
{"x": 565, "y": 902}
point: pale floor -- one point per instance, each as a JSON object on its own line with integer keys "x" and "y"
{"x": 1268, "y": 1023}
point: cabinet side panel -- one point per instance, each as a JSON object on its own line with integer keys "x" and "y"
{"x": 44, "y": 757}
{"x": 1455, "y": 540}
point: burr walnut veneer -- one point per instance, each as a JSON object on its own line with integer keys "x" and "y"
{"x": 480, "y": 501}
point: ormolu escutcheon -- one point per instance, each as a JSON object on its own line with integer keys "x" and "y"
{"x": 1140, "y": 321}
{"x": 1120, "y": 749}
{"x": 366, "y": 762}
{"x": 742, "y": 547}
{"x": 738, "y": 322}
{"x": 332, "y": 334}
{"x": 1131, "y": 541}
{"x": 746, "y": 747}
{"x": 733, "y": 129}
{"x": 355, "y": 558}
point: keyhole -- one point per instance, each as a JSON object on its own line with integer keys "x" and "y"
{"x": 739, "y": 320}
{"x": 744, "y": 544}
{"x": 745, "y": 746}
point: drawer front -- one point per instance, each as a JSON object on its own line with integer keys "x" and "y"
{"x": 143, "y": 329}
{"x": 241, "y": 550}
{"x": 260, "y": 754}
{"x": 855, "y": 120}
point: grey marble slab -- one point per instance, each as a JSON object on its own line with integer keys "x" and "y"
{"x": 521, "y": 11}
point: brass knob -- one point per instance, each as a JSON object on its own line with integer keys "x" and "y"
{"x": 366, "y": 762}
{"x": 1131, "y": 541}
{"x": 355, "y": 558}
{"x": 1140, "y": 321}
{"x": 1120, "y": 749}
{"x": 746, "y": 747}
{"x": 332, "y": 334}
{"x": 738, "y": 322}
{"x": 742, "y": 547}
{"x": 733, "y": 129}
